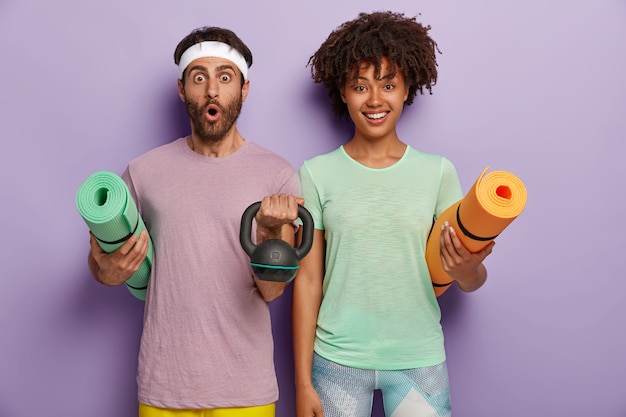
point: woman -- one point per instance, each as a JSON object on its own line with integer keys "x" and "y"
{"x": 365, "y": 316}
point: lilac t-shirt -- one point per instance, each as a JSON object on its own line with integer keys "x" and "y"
{"x": 207, "y": 338}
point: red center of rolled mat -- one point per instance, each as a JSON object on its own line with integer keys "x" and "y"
{"x": 504, "y": 192}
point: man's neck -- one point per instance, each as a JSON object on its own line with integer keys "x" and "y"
{"x": 226, "y": 146}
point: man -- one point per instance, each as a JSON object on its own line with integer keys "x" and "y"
{"x": 206, "y": 347}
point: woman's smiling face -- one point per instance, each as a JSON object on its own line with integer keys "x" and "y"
{"x": 375, "y": 104}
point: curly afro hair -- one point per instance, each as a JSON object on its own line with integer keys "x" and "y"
{"x": 367, "y": 40}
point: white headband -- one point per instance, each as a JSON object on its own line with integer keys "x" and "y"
{"x": 213, "y": 49}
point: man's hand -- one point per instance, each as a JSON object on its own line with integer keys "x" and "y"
{"x": 275, "y": 211}
{"x": 117, "y": 267}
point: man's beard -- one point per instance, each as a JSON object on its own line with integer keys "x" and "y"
{"x": 212, "y": 132}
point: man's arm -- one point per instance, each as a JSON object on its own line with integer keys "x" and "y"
{"x": 275, "y": 220}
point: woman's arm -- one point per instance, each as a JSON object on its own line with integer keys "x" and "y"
{"x": 307, "y": 297}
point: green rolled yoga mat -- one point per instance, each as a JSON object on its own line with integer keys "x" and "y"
{"x": 106, "y": 205}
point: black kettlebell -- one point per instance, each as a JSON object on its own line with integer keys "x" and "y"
{"x": 275, "y": 259}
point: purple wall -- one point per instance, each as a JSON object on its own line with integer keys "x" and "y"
{"x": 536, "y": 88}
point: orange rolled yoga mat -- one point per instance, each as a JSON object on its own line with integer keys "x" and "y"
{"x": 493, "y": 202}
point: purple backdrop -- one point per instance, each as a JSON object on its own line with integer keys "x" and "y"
{"x": 536, "y": 88}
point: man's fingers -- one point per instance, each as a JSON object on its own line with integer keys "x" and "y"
{"x": 280, "y": 208}
{"x": 128, "y": 245}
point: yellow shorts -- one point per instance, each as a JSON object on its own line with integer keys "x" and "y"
{"x": 268, "y": 410}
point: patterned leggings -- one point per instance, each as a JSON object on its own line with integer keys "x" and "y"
{"x": 348, "y": 392}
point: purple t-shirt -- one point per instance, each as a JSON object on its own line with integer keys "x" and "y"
{"x": 207, "y": 338}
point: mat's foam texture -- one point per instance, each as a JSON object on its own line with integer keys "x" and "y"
{"x": 106, "y": 205}
{"x": 493, "y": 202}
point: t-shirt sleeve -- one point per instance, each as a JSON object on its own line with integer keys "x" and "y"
{"x": 291, "y": 184}
{"x": 311, "y": 196}
{"x": 450, "y": 187}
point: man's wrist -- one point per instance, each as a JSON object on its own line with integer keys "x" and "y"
{"x": 266, "y": 233}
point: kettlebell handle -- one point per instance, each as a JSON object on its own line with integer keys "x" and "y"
{"x": 246, "y": 229}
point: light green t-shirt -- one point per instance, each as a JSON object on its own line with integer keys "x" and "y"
{"x": 378, "y": 308}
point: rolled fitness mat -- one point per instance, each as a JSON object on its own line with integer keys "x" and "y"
{"x": 105, "y": 203}
{"x": 493, "y": 202}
